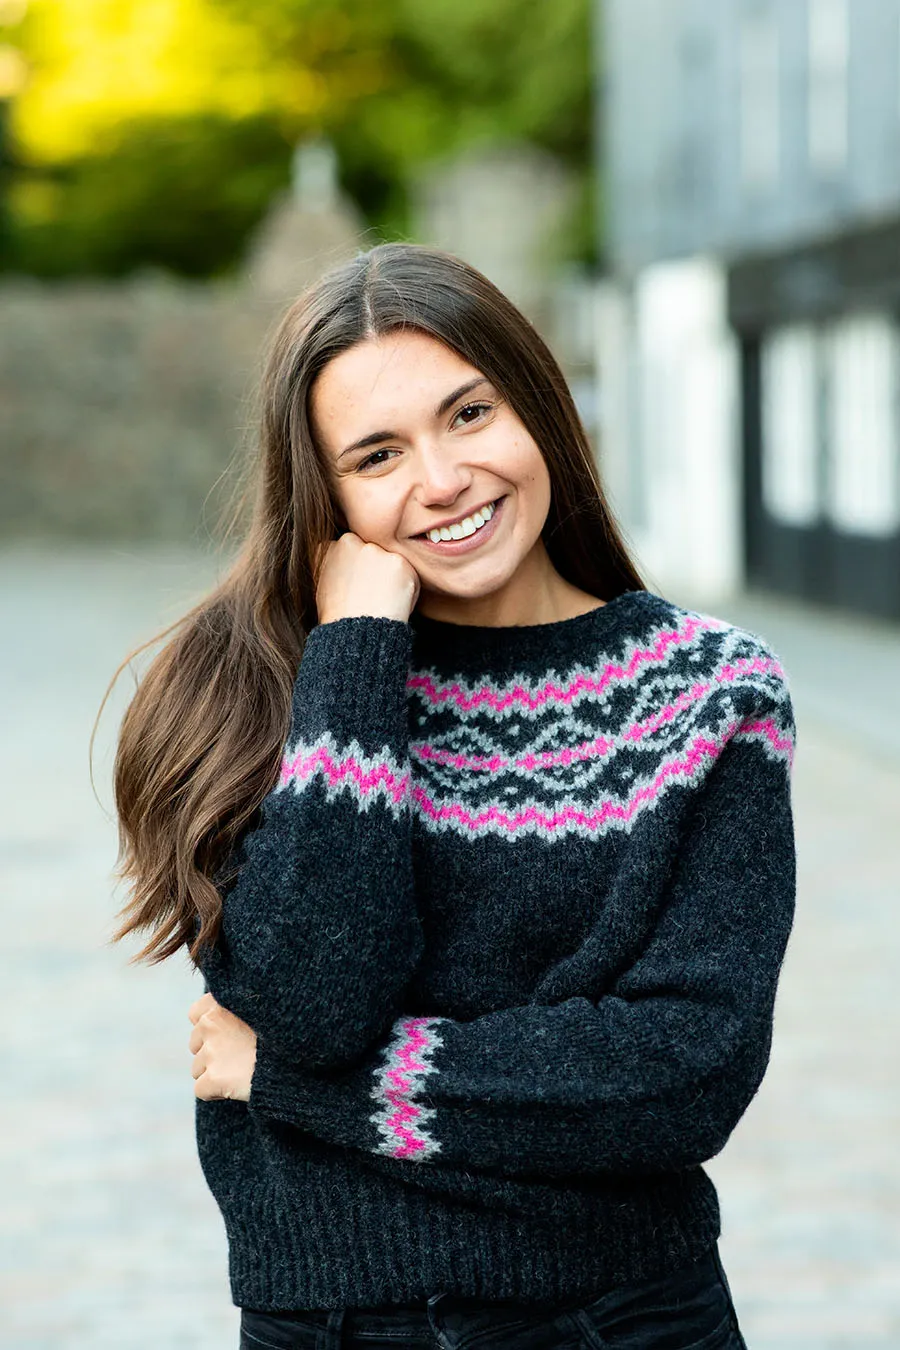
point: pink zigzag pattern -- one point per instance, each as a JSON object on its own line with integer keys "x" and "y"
{"x": 610, "y": 811}
{"x": 766, "y": 729}
{"x": 603, "y": 745}
{"x": 401, "y": 1120}
{"x": 554, "y": 693}
{"x": 348, "y": 770}
{"x": 367, "y": 781}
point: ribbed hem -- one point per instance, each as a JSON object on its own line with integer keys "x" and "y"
{"x": 365, "y": 1242}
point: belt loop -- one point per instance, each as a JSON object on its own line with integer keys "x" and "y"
{"x": 333, "y": 1335}
{"x": 436, "y": 1321}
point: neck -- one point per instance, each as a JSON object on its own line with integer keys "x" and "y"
{"x": 535, "y": 594}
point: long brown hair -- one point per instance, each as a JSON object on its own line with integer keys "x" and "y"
{"x": 201, "y": 741}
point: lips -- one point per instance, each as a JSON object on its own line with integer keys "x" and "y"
{"x": 476, "y": 539}
{"x": 458, "y": 520}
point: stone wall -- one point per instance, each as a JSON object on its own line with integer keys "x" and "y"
{"x": 127, "y": 408}
{"x": 121, "y": 405}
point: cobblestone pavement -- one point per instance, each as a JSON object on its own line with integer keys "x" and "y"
{"x": 108, "y": 1237}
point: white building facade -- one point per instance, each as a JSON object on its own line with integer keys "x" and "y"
{"x": 749, "y": 333}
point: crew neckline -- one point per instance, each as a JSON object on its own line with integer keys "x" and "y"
{"x": 457, "y": 645}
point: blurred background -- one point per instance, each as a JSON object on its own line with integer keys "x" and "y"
{"x": 698, "y": 203}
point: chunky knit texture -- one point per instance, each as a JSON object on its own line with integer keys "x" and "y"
{"x": 508, "y": 929}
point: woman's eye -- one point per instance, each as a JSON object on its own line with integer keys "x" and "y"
{"x": 474, "y": 408}
{"x": 471, "y": 413}
{"x": 372, "y": 461}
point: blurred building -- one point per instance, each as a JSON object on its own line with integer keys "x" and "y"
{"x": 750, "y": 332}
{"x": 501, "y": 205}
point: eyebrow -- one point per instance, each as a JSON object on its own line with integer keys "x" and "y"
{"x": 376, "y": 437}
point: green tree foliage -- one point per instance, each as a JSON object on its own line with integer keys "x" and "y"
{"x": 393, "y": 85}
{"x": 465, "y": 72}
{"x": 176, "y": 193}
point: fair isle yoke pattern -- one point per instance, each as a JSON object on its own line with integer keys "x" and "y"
{"x": 587, "y": 750}
{"x": 530, "y": 695}
{"x": 539, "y": 756}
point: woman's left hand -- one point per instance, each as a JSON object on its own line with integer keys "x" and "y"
{"x": 224, "y": 1050}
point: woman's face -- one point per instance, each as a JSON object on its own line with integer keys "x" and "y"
{"x": 440, "y": 445}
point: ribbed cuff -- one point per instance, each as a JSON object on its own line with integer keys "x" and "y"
{"x": 352, "y": 683}
{"x": 271, "y": 1094}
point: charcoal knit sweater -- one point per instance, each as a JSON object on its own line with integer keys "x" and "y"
{"x": 508, "y": 929}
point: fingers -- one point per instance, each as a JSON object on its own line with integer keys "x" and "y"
{"x": 206, "y": 1087}
{"x": 195, "y": 1044}
{"x": 321, "y": 553}
{"x": 205, "y": 1092}
{"x": 203, "y": 1089}
{"x": 202, "y": 1005}
{"x": 212, "y": 1044}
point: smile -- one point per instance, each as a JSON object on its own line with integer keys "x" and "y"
{"x": 466, "y": 534}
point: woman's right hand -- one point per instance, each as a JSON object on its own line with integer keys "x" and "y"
{"x": 357, "y": 579}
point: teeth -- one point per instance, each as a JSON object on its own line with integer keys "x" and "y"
{"x": 463, "y": 528}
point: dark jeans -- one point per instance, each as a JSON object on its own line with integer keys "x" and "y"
{"x": 690, "y": 1310}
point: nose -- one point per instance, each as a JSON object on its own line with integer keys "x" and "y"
{"x": 441, "y": 477}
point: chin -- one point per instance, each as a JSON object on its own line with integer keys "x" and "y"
{"x": 476, "y": 589}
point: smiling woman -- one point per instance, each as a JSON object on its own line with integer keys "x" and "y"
{"x": 459, "y": 488}
{"x": 484, "y": 851}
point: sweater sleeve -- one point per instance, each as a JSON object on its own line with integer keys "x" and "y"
{"x": 654, "y": 1075}
{"x": 320, "y": 931}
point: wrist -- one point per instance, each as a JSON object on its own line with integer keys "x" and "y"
{"x": 399, "y": 613}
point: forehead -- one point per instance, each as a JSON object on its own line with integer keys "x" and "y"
{"x": 384, "y": 383}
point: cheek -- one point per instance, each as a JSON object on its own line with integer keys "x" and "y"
{"x": 532, "y": 475}
{"x": 373, "y": 515}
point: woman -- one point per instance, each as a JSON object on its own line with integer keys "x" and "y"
{"x": 485, "y": 853}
